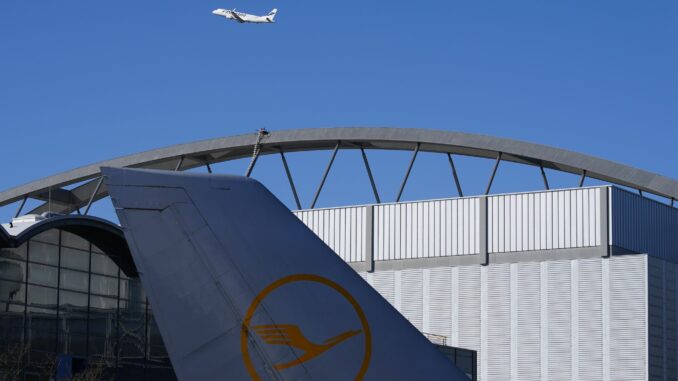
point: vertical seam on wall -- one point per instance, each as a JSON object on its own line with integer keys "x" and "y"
{"x": 574, "y": 318}
{"x": 513, "y": 271}
{"x": 606, "y": 318}
{"x": 544, "y": 326}
{"x": 483, "y": 323}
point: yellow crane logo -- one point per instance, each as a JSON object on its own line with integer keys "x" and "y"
{"x": 292, "y": 336}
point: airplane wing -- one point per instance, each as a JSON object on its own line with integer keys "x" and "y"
{"x": 242, "y": 289}
{"x": 237, "y": 16}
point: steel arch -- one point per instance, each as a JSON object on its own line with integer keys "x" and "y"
{"x": 191, "y": 155}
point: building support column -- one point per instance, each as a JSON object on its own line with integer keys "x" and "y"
{"x": 483, "y": 251}
{"x": 369, "y": 238}
{"x": 604, "y": 225}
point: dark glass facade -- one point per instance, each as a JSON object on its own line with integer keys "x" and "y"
{"x": 63, "y": 298}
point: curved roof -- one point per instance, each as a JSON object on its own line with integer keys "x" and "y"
{"x": 195, "y": 154}
{"x": 105, "y": 235}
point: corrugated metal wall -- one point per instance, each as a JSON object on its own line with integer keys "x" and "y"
{"x": 559, "y": 320}
{"x": 643, "y": 225}
{"x": 342, "y": 229}
{"x": 663, "y": 322}
{"x": 544, "y": 220}
{"x": 426, "y": 229}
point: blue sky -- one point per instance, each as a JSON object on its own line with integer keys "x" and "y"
{"x": 84, "y": 81}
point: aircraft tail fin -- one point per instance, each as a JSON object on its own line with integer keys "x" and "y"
{"x": 271, "y": 14}
{"x": 242, "y": 289}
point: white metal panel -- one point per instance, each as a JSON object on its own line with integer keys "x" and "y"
{"x": 559, "y": 323}
{"x": 542, "y": 221}
{"x": 440, "y": 302}
{"x": 589, "y": 320}
{"x": 427, "y": 229}
{"x": 412, "y": 294}
{"x": 528, "y": 315}
{"x": 628, "y": 318}
{"x": 342, "y": 229}
{"x": 498, "y": 322}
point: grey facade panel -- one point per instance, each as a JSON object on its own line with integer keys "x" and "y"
{"x": 581, "y": 319}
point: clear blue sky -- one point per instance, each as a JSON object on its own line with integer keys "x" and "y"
{"x": 83, "y": 81}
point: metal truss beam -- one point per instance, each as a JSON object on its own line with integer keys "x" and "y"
{"x": 327, "y": 171}
{"x": 494, "y": 172}
{"x": 369, "y": 174}
{"x": 454, "y": 174}
{"x": 407, "y": 173}
{"x": 289, "y": 179}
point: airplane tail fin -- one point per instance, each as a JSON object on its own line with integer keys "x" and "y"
{"x": 271, "y": 14}
{"x": 242, "y": 289}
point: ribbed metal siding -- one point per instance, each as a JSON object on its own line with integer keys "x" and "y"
{"x": 628, "y": 309}
{"x": 342, "y": 229}
{"x": 544, "y": 220}
{"x": 426, "y": 229}
{"x": 643, "y": 225}
{"x": 663, "y": 325}
{"x": 559, "y": 320}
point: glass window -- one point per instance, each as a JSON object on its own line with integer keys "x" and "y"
{"x": 12, "y": 292}
{"x": 104, "y": 285}
{"x": 42, "y": 325}
{"x": 50, "y": 236}
{"x": 132, "y": 332}
{"x": 74, "y": 259}
{"x": 73, "y": 344}
{"x": 12, "y": 267}
{"x": 43, "y": 275}
{"x": 43, "y": 253}
{"x": 72, "y": 300}
{"x": 42, "y": 297}
{"x": 73, "y": 241}
{"x": 18, "y": 253}
{"x": 74, "y": 280}
{"x": 95, "y": 249}
{"x": 102, "y": 264}
{"x": 103, "y": 303}
{"x": 131, "y": 289}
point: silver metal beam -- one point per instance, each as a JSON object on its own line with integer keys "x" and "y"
{"x": 289, "y": 178}
{"x": 369, "y": 174}
{"x": 327, "y": 171}
{"x": 91, "y": 199}
{"x": 494, "y": 172}
{"x": 407, "y": 174}
{"x": 543, "y": 177}
{"x": 237, "y": 147}
{"x": 582, "y": 178}
{"x": 21, "y": 206}
{"x": 181, "y": 161}
{"x": 454, "y": 174}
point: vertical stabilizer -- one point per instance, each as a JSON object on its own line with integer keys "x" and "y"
{"x": 242, "y": 289}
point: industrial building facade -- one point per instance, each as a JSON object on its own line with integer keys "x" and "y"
{"x": 573, "y": 284}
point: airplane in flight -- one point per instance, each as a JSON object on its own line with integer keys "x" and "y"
{"x": 242, "y": 290}
{"x": 245, "y": 17}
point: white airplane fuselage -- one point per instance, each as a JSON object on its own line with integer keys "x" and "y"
{"x": 245, "y": 17}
